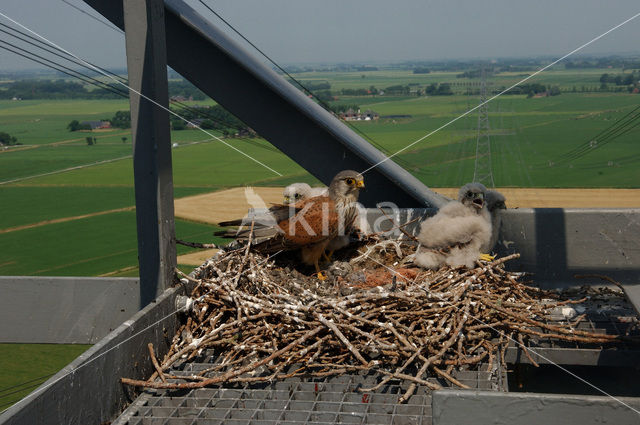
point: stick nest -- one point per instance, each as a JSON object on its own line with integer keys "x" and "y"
{"x": 268, "y": 320}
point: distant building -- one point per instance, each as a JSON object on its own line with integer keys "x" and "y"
{"x": 195, "y": 123}
{"x": 96, "y": 125}
{"x": 351, "y": 115}
{"x": 370, "y": 115}
{"x": 180, "y": 98}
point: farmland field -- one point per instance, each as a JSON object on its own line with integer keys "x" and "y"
{"x": 25, "y": 366}
{"x": 83, "y": 247}
{"x": 56, "y": 176}
{"x": 564, "y": 78}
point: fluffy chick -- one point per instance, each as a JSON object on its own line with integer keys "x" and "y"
{"x": 495, "y": 201}
{"x": 457, "y": 233}
{"x": 300, "y": 191}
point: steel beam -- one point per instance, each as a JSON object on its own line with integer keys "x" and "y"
{"x": 88, "y": 390}
{"x": 64, "y": 310}
{"x": 456, "y": 407}
{"x": 147, "y": 67}
{"x": 279, "y": 112}
{"x": 574, "y": 356}
{"x": 555, "y": 244}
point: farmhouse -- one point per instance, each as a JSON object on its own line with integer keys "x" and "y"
{"x": 351, "y": 115}
{"x": 96, "y": 125}
{"x": 180, "y": 98}
{"x": 195, "y": 123}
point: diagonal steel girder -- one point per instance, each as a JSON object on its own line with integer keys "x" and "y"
{"x": 279, "y": 112}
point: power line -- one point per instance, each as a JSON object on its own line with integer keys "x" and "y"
{"x": 44, "y": 47}
{"x": 83, "y": 77}
{"x": 483, "y": 170}
{"x": 17, "y": 391}
{"x": 321, "y": 102}
{"x": 13, "y": 387}
{"x": 147, "y": 98}
{"x": 93, "y": 17}
{"x": 604, "y": 134}
{"x": 90, "y": 80}
{"x": 70, "y": 72}
{"x": 618, "y": 129}
{"x": 577, "y": 49}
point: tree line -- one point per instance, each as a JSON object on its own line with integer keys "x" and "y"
{"x": 8, "y": 140}
{"x": 209, "y": 118}
{"x": 28, "y": 89}
{"x": 620, "y": 79}
{"x": 121, "y": 119}
{"x": 52, "y": 89}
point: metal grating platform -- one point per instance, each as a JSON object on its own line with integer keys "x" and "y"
{"x": 315, "y": 401}
{"x": 337, "y": 399}
{"x": 602, "y": 314}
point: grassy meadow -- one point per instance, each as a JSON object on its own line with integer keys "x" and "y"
{"x": 23, "y": 367}
{"x": 565, "y": 78}
{"x": 55, "y": 175}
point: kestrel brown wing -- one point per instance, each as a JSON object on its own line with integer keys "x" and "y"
{"x": 316, "y": 221}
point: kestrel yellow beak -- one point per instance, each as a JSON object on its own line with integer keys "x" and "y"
{"x": 287, "y": 199}
{"x": 360, "y": 184}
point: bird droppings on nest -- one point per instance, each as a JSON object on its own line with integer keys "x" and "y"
{"x": 267, "y": 320}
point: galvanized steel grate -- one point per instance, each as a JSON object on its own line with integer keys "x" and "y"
{"x": 314, "y": 401}
{"x": 336, "y": 399}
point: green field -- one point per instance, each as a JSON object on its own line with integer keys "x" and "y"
{"x": 84, "y": 247}
{"x": 25, "y": 366}
{"x": 566, "y": 79}
{"x": 41, "y": 203}
{"x": 528, "y": 136}
{"x": 45, "y": 121}
{"x": 57, "y": 177}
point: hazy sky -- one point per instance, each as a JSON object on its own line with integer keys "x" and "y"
{"x": 302, "y": 31}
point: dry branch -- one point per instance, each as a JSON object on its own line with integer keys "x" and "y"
{"x": 269, "y": 321}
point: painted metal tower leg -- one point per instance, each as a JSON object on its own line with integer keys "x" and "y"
{"x": 147, "y": 67}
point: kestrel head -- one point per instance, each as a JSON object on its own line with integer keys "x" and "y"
{"x": 495, "y": 200}
{"x": 346, "y": 184}
{"x": 473, "y": 195}
{"x": 296, "y": 192}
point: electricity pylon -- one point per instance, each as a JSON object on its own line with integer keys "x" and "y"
{"x": 483, "y": 172}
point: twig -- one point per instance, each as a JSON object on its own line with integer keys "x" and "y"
{"x": 526, "y": 352}
{"x": 197, "y": 244}
{"x": 450, "y": 378}
{"x": 268, "y": 323}
{"x": 600, "y": 276}
{"x": 224, "y": 377}
{"x": 341, "y": 337}
{"x": 155, "y": 362}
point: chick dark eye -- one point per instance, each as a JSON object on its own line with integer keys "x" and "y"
{"x": 297, "y": 195}
{"x": 350, "y": 182}
{"x": 469, "y": 194}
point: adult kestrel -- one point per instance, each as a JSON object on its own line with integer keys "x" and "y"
{"x": 300, "y": 191}
{"x": 457, "y": 233}
{"x": 308, "y": 225}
